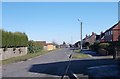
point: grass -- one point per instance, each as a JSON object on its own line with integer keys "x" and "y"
{"x": 77, "y": 51}
{"x": 80, "y": 56}
{"x": 23, "y": 58}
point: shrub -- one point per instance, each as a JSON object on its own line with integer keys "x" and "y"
{"x": 34, "y": 47}
{"x": 94, "y": 47}
{"x": 104, "y": 45}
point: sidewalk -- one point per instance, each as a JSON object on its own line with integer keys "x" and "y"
{"x": 95, "y": 55}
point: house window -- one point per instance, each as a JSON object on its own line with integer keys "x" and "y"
{"x": 111, "y": 33}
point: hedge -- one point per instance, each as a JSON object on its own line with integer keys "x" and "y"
{"x": 34, "y": 47}
{"x": 14, "y": 39}
{"x": 103, "y": 45}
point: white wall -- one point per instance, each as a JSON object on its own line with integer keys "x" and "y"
{"x": 9, "y": 53}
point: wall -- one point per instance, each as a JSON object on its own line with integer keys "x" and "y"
{"x": 9, "y": 53}
{"x": 45, "y": 47}
{"x": 116, "y": 33}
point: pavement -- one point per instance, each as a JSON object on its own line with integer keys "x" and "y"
{"x": 53, "y": 64}
{"x": 95, "y": 55}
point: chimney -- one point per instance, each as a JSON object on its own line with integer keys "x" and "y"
{"x": 93, "y": 33}
{"x": 86, "y": 36}
{"x": 101, "y": 32}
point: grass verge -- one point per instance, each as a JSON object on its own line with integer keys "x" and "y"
{"x": 24, "y": 58}
{"x": 77, "y": 51}
{"x": 80, "y": 56}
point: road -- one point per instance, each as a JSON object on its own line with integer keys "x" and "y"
{"x": 54, "y": 64}
{"x": 48, "y": 65}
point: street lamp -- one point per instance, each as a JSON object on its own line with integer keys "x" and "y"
{"x": 80, "y": 33}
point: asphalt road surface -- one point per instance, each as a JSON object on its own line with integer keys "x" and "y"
{"x": 54, "y": 64}
{"x": 50, "y": 64}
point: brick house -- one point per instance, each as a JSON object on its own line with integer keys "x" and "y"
{"x": 90, "y": 39}
{"x": 112, "y": 33}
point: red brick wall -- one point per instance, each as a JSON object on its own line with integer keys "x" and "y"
{"x": 116, "y": 32}
{"x": 119, "y": 28}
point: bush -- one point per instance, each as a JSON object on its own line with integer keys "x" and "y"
{"x": 34, "y": 47}
{"x": 104, "y": 45}
{"x": 94, "y": 47}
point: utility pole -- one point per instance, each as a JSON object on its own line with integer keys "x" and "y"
{"x": 80, "y": 34}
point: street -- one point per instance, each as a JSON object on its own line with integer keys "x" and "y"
{"x": 54, "y": 64}
{"x": 39, "y": 64}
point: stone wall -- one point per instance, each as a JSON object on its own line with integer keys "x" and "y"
{"x": 10, "y": 52}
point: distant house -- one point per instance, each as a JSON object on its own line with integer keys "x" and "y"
{"x": 50, "y": 46}
{"x": 112, "y": 33}
{"x": 46, "y": 46}
{"x": 77, "y": 44}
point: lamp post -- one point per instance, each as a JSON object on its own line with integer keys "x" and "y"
{"x": 80, "y": 33}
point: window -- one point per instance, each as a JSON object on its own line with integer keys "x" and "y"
{"x": 111, "y": 32}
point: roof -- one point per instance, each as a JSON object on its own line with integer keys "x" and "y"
{"x": 112, "y": 27}
{"x": 41, "y": 42}
{"x": 49, "y": 44}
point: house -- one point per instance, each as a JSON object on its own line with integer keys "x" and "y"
{"x": 90, "y": 39}
{"x": 112, "y": 33}
{"x": 50, "y": 46}
{"x": 46, "y": 46}
{"x": 77, "y": 44}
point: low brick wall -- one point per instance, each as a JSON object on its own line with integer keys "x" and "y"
{"x": 9, "y": 53}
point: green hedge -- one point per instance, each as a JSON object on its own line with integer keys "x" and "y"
{"x": 34, "y": 47}
{"x": 14, "y": 39}
{"x": 94, "y": 47}
{"x": 104, "y": 45}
